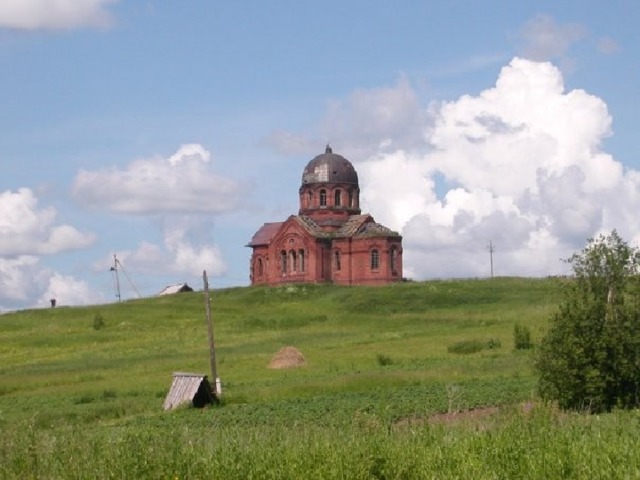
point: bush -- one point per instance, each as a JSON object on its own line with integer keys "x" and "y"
{"x": 590, "y": 357}
{"x": 521, "y": 337}
{"x": 383, "y": 359}
{"x": 473, "y": 346}
{"x": 98, "y": 321}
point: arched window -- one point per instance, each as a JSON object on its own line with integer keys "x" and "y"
{"x": 394, "y": 260}
{"x": 260, "y": 268}
{"x": 323, "y": 198}
{"x": 309, "y": 198}
{"x": 337, "y": 198}
{"x": 375, "y": 259}
{"x": 301, "y": 257}
{"x": 336, "y": 260}
{"x": 283, "y": 262}
{"x": 351, "y": 198}
{"x": 293, "y": 257}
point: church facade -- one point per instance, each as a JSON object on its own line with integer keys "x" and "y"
{"x": 330, "y": 240}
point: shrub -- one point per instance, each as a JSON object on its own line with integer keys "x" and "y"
{"x": 590, "y": 357}
{"x": 98, "y": 321}
{"x": 521, "y": 337}
{"x": 466, "y": 346}
{"x": 473, "y": 346}
{"x": 383, "y": 360}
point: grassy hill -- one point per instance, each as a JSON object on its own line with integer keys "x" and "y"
{"x": 83, "y": 387}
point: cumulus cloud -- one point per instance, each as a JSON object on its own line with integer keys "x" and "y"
{"x": 27, "y": 229}
{"x": 368, "y": 121}
{"x": 188, "y": 248}
{"x": 520, "y": 166}
{"x": 27, "y": 232}
{"x": 25, "y": 282}
{"x": 182, "y": 183}
{"x": 54, "y": 14}
{"x": 67, "y": 290}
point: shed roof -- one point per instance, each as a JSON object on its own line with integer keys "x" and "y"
{"x": 193, "y": 388}
{"x": 175, "y": 288}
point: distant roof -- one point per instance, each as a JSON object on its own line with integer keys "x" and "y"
{"x": 178, "y": 287}
{"x": 329, "y": 167}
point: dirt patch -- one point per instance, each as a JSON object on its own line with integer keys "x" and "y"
{"x": 287, "y": 357}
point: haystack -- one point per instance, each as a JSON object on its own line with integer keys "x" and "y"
{"x": 287, "y": 357}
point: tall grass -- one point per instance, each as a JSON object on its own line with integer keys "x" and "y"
{"x": 541, "y": 444}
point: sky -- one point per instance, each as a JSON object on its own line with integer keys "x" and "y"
{"x": 164, "y": 134}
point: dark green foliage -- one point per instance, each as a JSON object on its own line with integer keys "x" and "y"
{"x": 473, "y": 346}
{"x": 521, "y": 337}
{"x": 590, "y": 357}
{"x": 383, "y": 359}
{"x": 98, "y": 321}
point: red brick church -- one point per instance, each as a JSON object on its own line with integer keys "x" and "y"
{"x": 329, "y": 240}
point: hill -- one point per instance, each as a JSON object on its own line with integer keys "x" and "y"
{"x": 82, "y": 388}
{"x": 347, "y": 336}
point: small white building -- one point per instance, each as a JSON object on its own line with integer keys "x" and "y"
{"x": 176, "y": 288}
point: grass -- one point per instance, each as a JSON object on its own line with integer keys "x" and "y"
{"x": 78, "y": 401}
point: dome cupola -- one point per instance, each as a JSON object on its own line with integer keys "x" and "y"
{"x": 329, "y": 192}
{"x": 329, "y": 167}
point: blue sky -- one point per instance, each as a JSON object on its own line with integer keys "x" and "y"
{"x": 167, "y": 133}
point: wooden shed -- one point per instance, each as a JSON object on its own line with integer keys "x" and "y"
{"x": 189, "y": 388}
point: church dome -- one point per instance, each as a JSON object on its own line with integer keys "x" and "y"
{"x": 329, "y": 167}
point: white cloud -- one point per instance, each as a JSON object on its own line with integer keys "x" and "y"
{"x": 27, "y": 229}
{"x": 182, "y": 183}
{"x": 542, "y": 38}
{"x": 519, "y": 165}
{"x": 67, "y": 290}
{"x": 188, "y": 248}
{"x": 368, "y": 121}
{"x": 17, "y": 275}
{"x": 25, "y": 282}
{"x": 54, "y": 14}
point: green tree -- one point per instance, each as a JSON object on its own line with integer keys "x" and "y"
{"x": 590, "y": 357}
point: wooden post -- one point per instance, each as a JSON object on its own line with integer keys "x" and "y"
{"x": 212, "y": 350}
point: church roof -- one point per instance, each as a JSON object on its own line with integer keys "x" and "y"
{"x": 364, "y": 226}
{"x": 329, "y": 167}
{"x": 265, "y": 234}
{"x": 357, "y": 226}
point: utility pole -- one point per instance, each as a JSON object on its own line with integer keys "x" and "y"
{"x": 491, "y": 250}
{"x": 212, "y": 350}
{"x": 114, "y": 269}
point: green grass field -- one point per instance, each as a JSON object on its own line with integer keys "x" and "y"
{"x": 383, "y": 367}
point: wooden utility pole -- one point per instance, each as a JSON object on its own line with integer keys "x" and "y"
{"x": 212, "y": 350}
{"x": 491, "y": 249}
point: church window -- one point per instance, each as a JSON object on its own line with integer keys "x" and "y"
{"x": 375, "y": 259}
{"x": 394, "y": 260}
{"x": 301, "y": 259}
{"x": 293, "y": 257}
{"x": 351, "y": 199}
{"x": 337, "y": 201}
{"x": 336, "y": 257}
{"x": 283, "y": 262}
{"x": 309, "y": 198}
{"x": 260, "y": 268}
{"x": 323, "y": 198}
